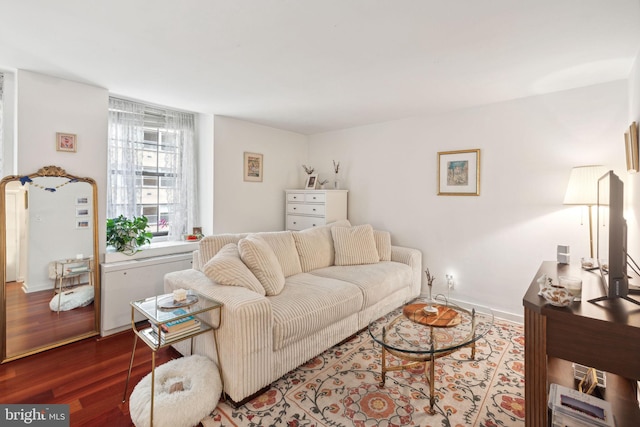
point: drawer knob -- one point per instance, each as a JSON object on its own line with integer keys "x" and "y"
{"x": 295, "y": 208}
{"x": 314, "y": 209}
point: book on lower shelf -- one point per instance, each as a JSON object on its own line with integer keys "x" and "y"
{"x": 572, "y": 408}
{"x": 152, "y": 333}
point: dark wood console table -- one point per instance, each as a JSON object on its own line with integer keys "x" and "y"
{"x": 604, "y": 336}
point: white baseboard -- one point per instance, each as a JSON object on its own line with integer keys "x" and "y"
{"x": 505, "y": 315}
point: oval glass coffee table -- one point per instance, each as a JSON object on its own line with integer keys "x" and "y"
{"x": 420, "y": 335}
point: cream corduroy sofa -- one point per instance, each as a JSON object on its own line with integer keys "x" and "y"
{"x": 288, "y": 296}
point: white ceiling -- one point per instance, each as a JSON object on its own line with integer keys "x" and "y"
{"x": 311, "y": 66}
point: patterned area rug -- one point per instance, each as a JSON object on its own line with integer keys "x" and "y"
{"x": 341, "y": 388}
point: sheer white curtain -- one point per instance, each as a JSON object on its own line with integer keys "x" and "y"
{"x": 183, "y": 194}
{"x": 175, "y": 162}
{"x": 126, "y": 132}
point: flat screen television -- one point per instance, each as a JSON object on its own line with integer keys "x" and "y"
{"x": 612, "y": 239}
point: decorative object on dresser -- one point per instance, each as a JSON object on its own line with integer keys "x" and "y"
{"x": 312, "y": 208}
{"x": 459, "y": 173}
{"x": 310, "y": 184}
{"x": 253, "y": 167}
{"x": 336, "y": 171}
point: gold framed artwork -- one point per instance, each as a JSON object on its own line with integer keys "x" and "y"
{"x": 66, "y": 142}
{"x": 253, "y": 167}
{"x": 459, "y": 173}
{"x": 631, "y": 148}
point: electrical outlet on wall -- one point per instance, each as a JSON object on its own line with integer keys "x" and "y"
{"x": 450, "y": 283}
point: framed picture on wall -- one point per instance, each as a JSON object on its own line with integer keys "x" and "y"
{"x": 66, "y": 142}
{"x": 459, "y": 173}
{"x": 253, "y": 167}
{"x": 631, "y": 140}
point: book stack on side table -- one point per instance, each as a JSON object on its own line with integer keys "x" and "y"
{"x": 174, "y": 329}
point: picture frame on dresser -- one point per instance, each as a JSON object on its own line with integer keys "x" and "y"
{"x": 310, "y": 183}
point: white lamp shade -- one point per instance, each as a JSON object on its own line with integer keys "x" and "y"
{"x": 583, "y": 185}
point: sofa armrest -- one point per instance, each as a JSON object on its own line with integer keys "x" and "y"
{"x": 244, "y": 336}
{"x": 413, "y": 258}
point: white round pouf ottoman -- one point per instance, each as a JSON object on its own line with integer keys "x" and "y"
{"x": 176, "y": 404}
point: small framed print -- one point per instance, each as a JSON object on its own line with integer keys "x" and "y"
{"x": 82, "y": 212}
{"x": 631, "y": 148}
{"x": 82, "y": 223}
{"x": 252, "y": 167}
{"x": 310, "y": 184}
{"x": 82, "y": 200}
{"x": 66, "y": 142}
{"x": 459, "y": 173}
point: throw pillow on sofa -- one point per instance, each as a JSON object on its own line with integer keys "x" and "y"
{"x": 383, "y": 244}
{"x": 354, "y": 245}
{"x": 315, "y": 246}
{"x": 256, "y": 253}
{"x": 284, "y": 247}
{"x": 226, "y": 268}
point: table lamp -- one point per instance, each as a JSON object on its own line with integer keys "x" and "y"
{"x": 583, "y": 190}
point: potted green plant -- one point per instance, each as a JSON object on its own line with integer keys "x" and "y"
{"x": 126, "y": 235}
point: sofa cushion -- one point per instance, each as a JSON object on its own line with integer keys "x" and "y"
{"x": 210, "y": 245}
{"x": 383, "y": 244}
{"x": 226, "y": 268}
{"x": 309, "y": 303}
{"x": 376, "y": 281}
{"x": 263, "y": 263}
{"x": 354, "y": 245}
{"x": 284, "y": 247}
{"x": 315, "y": 245}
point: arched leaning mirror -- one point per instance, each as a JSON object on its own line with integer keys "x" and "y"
{"x": 49, "y": 258}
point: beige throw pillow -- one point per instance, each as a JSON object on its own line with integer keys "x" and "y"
{"x": 383, "y": 244}
{"x": 263, "y": 263}
{"x": 284, "y": 247}
{"x": 226, "y": 268}
{"x": 354, "y": 245}
{"x": 315, "y": 245}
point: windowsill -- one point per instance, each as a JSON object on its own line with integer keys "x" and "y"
{"x": 152, "y": 250}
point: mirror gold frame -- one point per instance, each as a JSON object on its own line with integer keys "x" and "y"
{"x": 47, "y": 171}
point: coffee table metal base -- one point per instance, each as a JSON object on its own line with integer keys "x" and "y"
{"x": 417, "y": 360}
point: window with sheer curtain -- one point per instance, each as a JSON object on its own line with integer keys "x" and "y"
{"x": 151, "y": 166}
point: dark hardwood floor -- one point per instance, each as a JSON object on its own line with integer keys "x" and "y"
{"x": 31, "y": 323}
{"x": 88, "y": 375}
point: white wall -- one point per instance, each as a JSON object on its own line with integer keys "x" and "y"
{"x": 632, "y": 180}
{"x": 8, "y": 126}
{"x": 204, "y": 156}
{"x": 492, "y": 244}
{"x": 47, "y": 105}
{"x": 241, "y": 206}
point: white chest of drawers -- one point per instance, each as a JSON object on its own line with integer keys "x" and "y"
{"x": 312, "y": 208}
